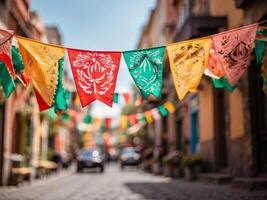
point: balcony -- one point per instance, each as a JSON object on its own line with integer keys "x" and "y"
{"x": 199, "y": 26}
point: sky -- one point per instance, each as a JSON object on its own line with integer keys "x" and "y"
{"x": 99, "y": 25}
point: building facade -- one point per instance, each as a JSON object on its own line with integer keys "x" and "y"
{"x": 227, "y": 129}
{"x": 24, "y": 130}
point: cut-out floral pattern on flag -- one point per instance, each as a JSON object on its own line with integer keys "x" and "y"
{"x": 41, "y": 66}
{"x": 95, "y": 74}
{"x": 187, "y": 62}
{"x": 234, "y": 48}
{"x": 145, "y": 67}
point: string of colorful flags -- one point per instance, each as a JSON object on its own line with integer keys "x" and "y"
{"x": 224, "y": 57}
{"x": 130, "y": 120}
{"x": 146, "y": 117}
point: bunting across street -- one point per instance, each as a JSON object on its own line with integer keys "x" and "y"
{"x": 146, "y": 68}
{"x": 224, "y": 57}
{"x": 95, "y": 74}
{"x": 188, "y": 61}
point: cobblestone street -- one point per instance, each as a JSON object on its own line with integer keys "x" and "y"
{"x": 122, "y": 185}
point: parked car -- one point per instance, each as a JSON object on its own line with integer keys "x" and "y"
{"x": 129, "y": 157}
{"x": 90, "y": 158}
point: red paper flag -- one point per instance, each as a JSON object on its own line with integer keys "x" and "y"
{"x": 95, "y": 74}
{"x": 5, "y": 50}
{"x": 41, "y": 103}
{"x": 234, "y": 48}
{"x": 108, "y": 122}
{"x": 127, "y": 97}
{"x": 8, "y": 62}
{"x": 133, "y": 119}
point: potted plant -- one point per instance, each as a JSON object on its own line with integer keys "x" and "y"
{"x": 155, "y": 166}
{"x": 177, "y": 162}
{"x": 191, "y": 165}
{"x": 168, "y": 166}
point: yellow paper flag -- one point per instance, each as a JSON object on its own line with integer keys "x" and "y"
{"x": 41, "y": 66}
{"x": 148, "y": 117}
{"x": 169, "y": 106}
{"x": 96, "y": 123}
{"x": 188, "y": 60}
{"x": 123, "y": 122}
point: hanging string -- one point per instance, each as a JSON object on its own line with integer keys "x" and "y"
{"x": 63, "y": 47}
{"x": 11, "y": 35}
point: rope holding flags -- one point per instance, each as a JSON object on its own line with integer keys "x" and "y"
{"x": 223, "y": 56}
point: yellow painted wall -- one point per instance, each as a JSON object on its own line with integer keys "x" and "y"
{"x": 227, "y": 8}
{"x": 236, "y": 114}
{"x": 206, "y": 111}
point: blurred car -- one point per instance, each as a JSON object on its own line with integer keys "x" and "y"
{"x": 129, "y": 157}
{"x": 90, "y": 158}
{"x": 113, "y": 154}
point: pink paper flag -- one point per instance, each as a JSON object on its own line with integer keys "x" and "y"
{"x": 234, "y": 48}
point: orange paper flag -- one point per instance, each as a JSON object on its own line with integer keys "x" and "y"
{"x": 41, "y": 66}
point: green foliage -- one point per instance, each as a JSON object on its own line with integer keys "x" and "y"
{"x": 174, "y": 158}
{"x": 49, "y": 153}
{"x": 26, "y": 157}
{"x": 192, "y": 161}
{"x": 155, "y": 160}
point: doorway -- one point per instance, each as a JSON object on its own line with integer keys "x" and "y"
{"x": 221, "y": 154}
{"x": 258, "y": 112}
{"x": 179, "y": 139}
{"x": 194, "y": 133}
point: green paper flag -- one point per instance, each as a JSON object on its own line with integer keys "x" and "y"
{"x": 6, "y": 80}
{"x": 17, "y": 60}
{"x": 87, "y": 119}
{"x": 116, "y": 98}
{"x": 223, "y": 83}
{"x": 60, "y": 96}
{"x": 163, "y": 111}
{"x": 141, "y": 118}
{"x": 260, "y": 45}
{"x": 65, "y": 116}
{"x": 146, "y": 68}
